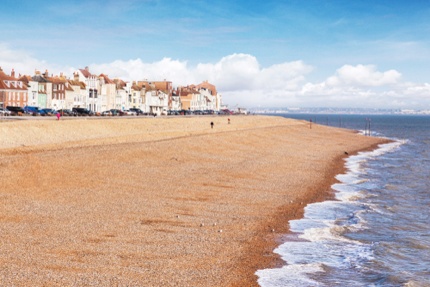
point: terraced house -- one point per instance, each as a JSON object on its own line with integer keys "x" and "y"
{"x": 156, "y": 96}
{"x": 40, "y": 90}
{"x": 13, "y": 92}
{"x": 99, "y": 93}
{"x": 92, "y": 85}
{"x": 199, "y": 97}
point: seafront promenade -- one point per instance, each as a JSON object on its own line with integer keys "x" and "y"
{"x": 164, "y": 201}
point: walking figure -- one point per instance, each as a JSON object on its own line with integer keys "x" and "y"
{"x": 58, "y": 116}
{"x": 228, "y": 120}
{"x": 212, "y": 125}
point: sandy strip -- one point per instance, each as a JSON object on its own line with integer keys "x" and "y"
{"x": 157, "y": 201}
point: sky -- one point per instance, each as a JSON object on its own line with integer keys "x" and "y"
{"x": 271, "y": 53}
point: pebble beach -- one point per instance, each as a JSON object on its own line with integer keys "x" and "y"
{"x": 164, "y": 201}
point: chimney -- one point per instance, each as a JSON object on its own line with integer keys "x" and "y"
{"x": 76, "y": 77}
{"x": 46, "y": 73}
{"x": 87, "y": 69}
{"x": 12, "y": 74}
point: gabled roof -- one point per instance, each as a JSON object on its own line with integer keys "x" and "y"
{"x": 120, "y": 84}
{"x": 39, "y": 78}
{"x": 208, "y": 86}
{"x": 25, "y": 79}
{"x": 57, "y": 80}
{"x": 85, "y": 72}
{"x": 13, "y": 82}
{"x": 4, "y": 76}
{"x": 69, "y": 87}
{"x": 77, "y": 83}
{"x": 147, "y": 85}
{"x": 136, "y": 87}
{"x": 107, "y": 79}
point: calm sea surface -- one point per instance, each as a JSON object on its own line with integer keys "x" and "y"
{"x": 377, "y": 231}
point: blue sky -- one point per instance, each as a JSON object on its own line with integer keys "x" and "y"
{"x": 258, "y": 53}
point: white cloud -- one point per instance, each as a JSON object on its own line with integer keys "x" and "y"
{"x": 25, "y": 64}
{"x": 20, "y": 61}
{"x": 235, "y": 72}
{"x": 243, "y": 81}
{"x": 363, "y": 75}
{"x": 172, "y": 70}
{"x": 238, "y": 72}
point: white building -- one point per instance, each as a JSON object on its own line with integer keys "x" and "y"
{"x": 93, "y": 101}
{"x": 175, "y": 103}
{"x": 156, "y": 102}
{"x": 108, "y": 93}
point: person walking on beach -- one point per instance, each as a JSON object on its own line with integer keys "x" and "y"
{"x": 212, "y": 125}
{"x": 58, "y": 116}
{"x": 228, "y": 120}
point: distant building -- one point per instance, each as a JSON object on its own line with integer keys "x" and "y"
{"x": 58, "y": 94}
{"x": 100, "y": 93}
{"x": 157, "y": 96}
{"x": 107, "y": 92}
{"x": 76, "y": 95}
{"x": 13, "y": 92}
{"x": 92, "y": 85}
{"x": 199, "y": 97}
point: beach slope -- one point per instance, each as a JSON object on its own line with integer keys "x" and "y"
{"x": 158, "y": 201}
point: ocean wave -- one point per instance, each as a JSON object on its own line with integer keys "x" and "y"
{"x": 290, "y": 276}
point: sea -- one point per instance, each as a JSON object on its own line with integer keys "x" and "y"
{"x": 376, "y": 231}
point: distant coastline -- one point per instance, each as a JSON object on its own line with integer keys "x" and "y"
{"x": 327, "y": 110}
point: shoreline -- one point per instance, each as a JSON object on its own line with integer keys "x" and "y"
{"x": 265, "y": 258}
{"x": 218, "y": 197}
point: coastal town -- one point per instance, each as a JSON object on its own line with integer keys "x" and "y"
{"x": 100, "y": 94}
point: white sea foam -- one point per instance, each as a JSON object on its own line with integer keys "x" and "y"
{"x": 332, "y": 233}
{"x": 290, "y": 276}
{"x": 323, "y": 227}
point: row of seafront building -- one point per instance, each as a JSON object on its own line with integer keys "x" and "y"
{"x": 100, "y": 93}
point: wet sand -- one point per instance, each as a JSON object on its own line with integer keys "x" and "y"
{"x": 158, "y": 201}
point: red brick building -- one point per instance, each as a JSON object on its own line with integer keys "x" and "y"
{"x": 13, "y": 92}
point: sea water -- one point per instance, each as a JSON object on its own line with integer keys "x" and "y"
{"x": 376, "y": 232}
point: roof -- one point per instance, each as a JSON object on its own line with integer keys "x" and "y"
{"x": 4, "y": 76}
{"x": 85, "y": 72}
{"x": 39, "y": 78}
{"x": 77, "y": 83}
{"x": 120, "y": 84}
{"x": 57, "y": 80}
{"x": 13, "y": 82}
{"x": 107, "y": 79}
{"x": 208, "y": 86}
